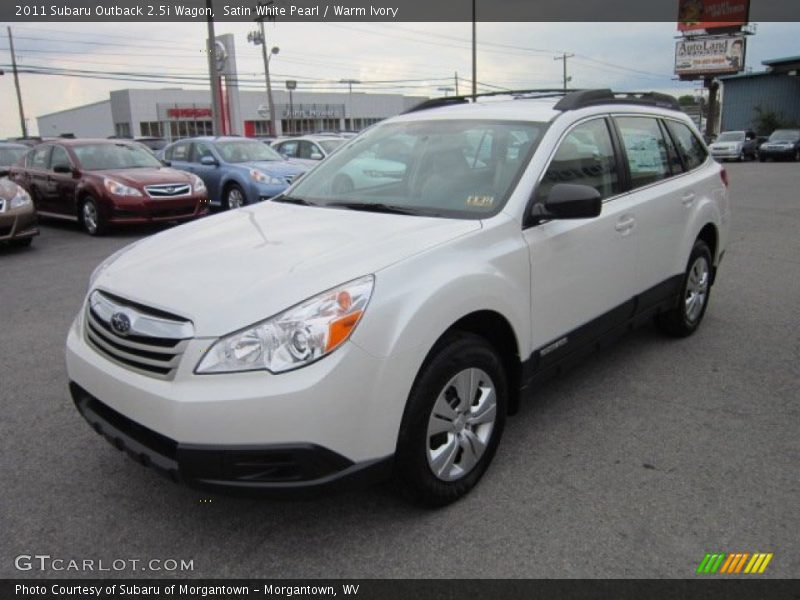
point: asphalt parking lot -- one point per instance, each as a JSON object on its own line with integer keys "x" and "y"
{"x": 635, "y": 464}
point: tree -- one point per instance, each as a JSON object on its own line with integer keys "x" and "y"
{"x": 766, "y": 121}
{"x": 687, "y": 100}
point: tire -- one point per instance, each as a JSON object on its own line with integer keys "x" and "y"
{"x": 22, "y": 242}
{"x": 90, "y": 218}
{"x": 796, "y": 155}
{"x": 684, "y": 318}
{"x": 445, "y": 444}
{"x": 762, "y": 158}
{"x": 234, "y": 197}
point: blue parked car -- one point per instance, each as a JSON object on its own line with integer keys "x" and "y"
{"x": 236, "y": 171}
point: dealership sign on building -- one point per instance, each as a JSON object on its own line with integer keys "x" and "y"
{"x": 710, "y": 55}
{"x": 712, "y": 14}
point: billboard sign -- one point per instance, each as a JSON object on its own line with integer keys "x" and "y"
{"x": 712, "y": 14}
{"x": 710, "y": 55}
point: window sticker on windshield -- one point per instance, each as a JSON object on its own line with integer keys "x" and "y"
{"x": 480, "y": 201}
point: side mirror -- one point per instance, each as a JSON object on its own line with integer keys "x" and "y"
{"x": 209, "y": 161}
{"x": 62, "y": 169}
{"x": 568, "y": 201}
{"x": 316, "y": 156}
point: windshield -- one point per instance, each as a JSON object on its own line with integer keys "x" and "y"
{"x": 452, "y": 168}
{"x": 246, "y": 151}
{"x": 8, "y": 156}
{"x": 731, "y": 136}
{"x": 330, "y": 145}
{"x": 100, "y": 157}
{"x": 784, "y": 135}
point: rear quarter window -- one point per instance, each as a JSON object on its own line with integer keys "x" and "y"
{"x": 689, "y": 146}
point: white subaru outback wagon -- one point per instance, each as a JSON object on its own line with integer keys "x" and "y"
{"x": 355, "y": 329}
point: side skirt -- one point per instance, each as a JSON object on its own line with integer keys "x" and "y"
{"x": 565, "y": 352}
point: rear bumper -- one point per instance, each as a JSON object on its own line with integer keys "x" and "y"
{"x": 275, "y": 470}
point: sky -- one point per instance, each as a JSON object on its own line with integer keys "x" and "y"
{"x": 410, "y": 58}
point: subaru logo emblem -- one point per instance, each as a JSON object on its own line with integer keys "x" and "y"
{"x": 170, "y": 190}
{"x": 120, "y": 323}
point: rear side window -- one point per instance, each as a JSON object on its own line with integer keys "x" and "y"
{"x": 177, "y": 152}
{"x": 690, "y": 148}
{"x": 586, "y": 157}
{"x": 39, "y": 157}
{"x": 645, "y": 149}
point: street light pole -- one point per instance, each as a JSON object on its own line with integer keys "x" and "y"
{"x": 446, "y": 90}
{"x": 350, "y": 83}
{"x": 216, "y": 88}
{"x": 272, "y": 123}
{"x": 16, "y": 84}
{"x": 474, "y": 53}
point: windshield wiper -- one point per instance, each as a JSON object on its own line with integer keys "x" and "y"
{"x": 293, "y": 200}
{"x": 375, "y": 207}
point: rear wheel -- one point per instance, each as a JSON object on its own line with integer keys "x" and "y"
{"x": 234, "y": 197}
{"x": 684, "y": 319}
{"x": 453, "y": 421}
{"x": 90, "y": 218}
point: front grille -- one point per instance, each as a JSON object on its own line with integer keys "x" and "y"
{"x": 149, "y": 343}
{"x": 168, "y": 190}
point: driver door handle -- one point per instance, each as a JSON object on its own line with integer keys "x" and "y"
{"x": 625, "y": 224}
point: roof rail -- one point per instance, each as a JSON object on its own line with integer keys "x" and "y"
{"x": 584, "y": 98}
{"x": 465, "y": 99}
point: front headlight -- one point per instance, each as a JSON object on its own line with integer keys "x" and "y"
{"x": 260, "y": 177}
{"x": 294, "y": 338}
{"x": 22, "y": 198}
{"x": 198, "y": 185}
{"x": 119, "y": 189}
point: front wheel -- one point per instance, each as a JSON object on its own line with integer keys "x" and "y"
{"x": 234, "y": 197}
{"x": 684, "y": 319}
{"x": 90, "y": 217}
{"x": 453, "y": 420}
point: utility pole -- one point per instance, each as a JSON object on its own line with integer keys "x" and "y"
{"x": 474, "y": 53}
{"x": 456, "y": 78}
{"x": 16, "y": 83}
{"x": 216, "y": 88}
{"x": 564, "y": 57}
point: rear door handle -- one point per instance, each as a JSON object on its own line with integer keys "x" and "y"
{"x": 625, "y": 224}
{"x": 688, "y": 199}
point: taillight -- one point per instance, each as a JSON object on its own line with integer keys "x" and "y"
{"x": 723, "y": 174}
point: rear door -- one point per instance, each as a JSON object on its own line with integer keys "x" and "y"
{"x": 62, "y": 186}
{"x": 661, "y": 195}
{"x": 37, "y": 177}
{"x": 210, "y": 174}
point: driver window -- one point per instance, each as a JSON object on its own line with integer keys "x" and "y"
{"x": 584, "y": 157}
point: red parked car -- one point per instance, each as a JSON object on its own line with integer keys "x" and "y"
{"x": 101, "y": 183}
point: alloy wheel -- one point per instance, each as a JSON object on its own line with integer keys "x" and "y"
{"x": 235, "y": 198}
{"x": 90, "y": 217}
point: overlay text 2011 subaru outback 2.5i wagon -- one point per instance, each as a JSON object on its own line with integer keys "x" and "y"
{"x": 335, "y": 336}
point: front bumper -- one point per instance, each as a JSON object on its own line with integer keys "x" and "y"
{"x": 784, "y": 153}
{"x": 17, "y": 224}
{"x": 141, "y": 211}
{"x": 349, "y": 403}
{"x": 280, "y": 469}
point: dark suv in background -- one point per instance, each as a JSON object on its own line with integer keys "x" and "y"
{"x": 783, "y": 144}
{"x": 100, "y": 183}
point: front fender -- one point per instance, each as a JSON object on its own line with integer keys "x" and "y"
{"x": 417, "y": 300}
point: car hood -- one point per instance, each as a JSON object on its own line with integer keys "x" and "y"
{"x": 231, "y": 270}
{"x": 276, "y": 167}
{"x": 146, "y": 176}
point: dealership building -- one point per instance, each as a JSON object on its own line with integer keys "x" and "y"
{"x": 775, "y": 90}
{"x": 177, "y": 113}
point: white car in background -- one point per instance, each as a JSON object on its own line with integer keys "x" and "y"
{"x": 327, "y": 337}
